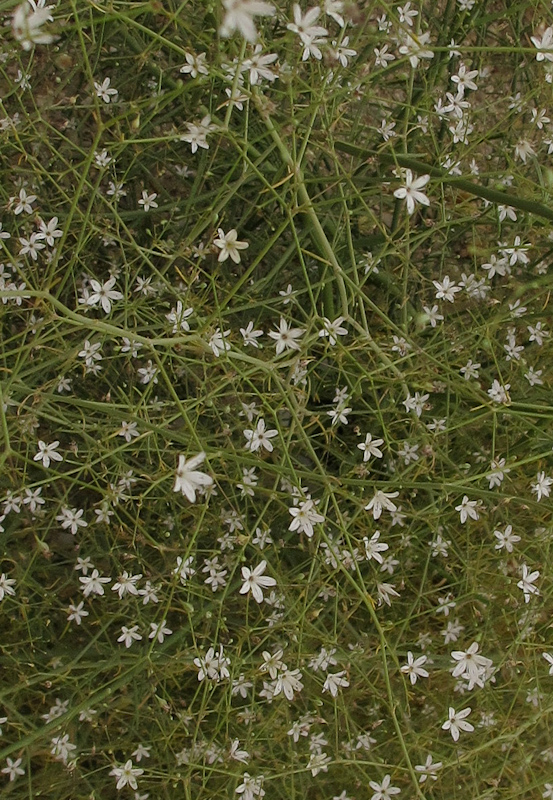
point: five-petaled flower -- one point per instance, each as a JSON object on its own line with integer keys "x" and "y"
{"x": 126, "y": 775}
{"x": 255, "y": 581}
{"x": 239, "y": 16}
{"x": 188, "y": 479}
{"x": 411, "y": 191}
{"x": 229, "y": 245}
{"x": 259, "y": 437}
{"x": 457, "y": 722}
{"x": 47, "y": 453}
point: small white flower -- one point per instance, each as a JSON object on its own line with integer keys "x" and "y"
{"x": 129, "y": 635}
{"x": 103, "y": 293}
{"x": 542, "y": 486}
{"x": 106, "y": 92}
{"x": 126, "y": 775}
{"x": 526, "y": 583}
{"x": 334, "y": 681}
{"x": 259, "y": 437}
{"x": 47, "y": 453}
{"x": 383, "y": 791}
{"x": 26, "y": 26}
{"x": 6, "y": 586}
{"x": 380, "y": 501}
{"x": 148, "y": 201}
{"x": 128, "y": 430}
{"x": 159, "y": 631}
{"x": 467, "y": 508}
{"x": 239, "y": 16}
{"x": 255, "y": 581}
{"x": 457, "y": 722}
{"x": 411, "y": 191}
{"x": 371, "y": 447}
{"x": 549, "y": 658}
{"x": 188, "y": 480}
{"x": 333, "y": 329}
{"x": 414, "y": 667}
{"x": 13, "y": 768}
{"x": 229, "y": 245}
{"x": 544, "y": 45}
{"x": 305, "y": 516}
{"x": 285, "y": 337}
{"x": 428, "y": 769}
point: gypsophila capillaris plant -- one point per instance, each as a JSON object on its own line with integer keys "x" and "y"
{"x": 275, "y": 399}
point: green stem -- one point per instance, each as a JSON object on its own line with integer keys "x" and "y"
{"x": 317, "y": 229}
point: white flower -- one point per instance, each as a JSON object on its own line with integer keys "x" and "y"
{"x": 428, "y": 769}
{"x": 13, "y": 768}
{"x": 126, "y": 584}
{"x": 229, "y": 245}
{"x": 62, "y": 748}
{"x": 159, "y": 631}
{"x": 467, "y": 509}
{"x": 506, "y": 539}
{"x": 526, "y": 583}
{"x": 250, "y": 788}
{"x": 305, "y": 516}
{"x": 259, "y": 437}
{"x": 470, "y": 665}
{"x": 197, "y": 133}
{"x": 380, "y": 501}
{"x": 255, "y": 581}
{"x": 103, "y": 293}
{"x": 414, "y": 667}
{"x": 285, "y": 337}
{"x": 383, "y": 791}
{"x": 258, "y": 66}
{"x": 92, "y": 584}
{"x": 541, "y": 488}
{"x": 106, "y": 92}
{"x": 129, "y": 635}
{"x": 411, "y": 191}
{"x": 288, "y": 682}
{"x": 239, "y": 17}
{"x": 318, "y": 762}
{"x": 333, "y": 329}
{"x": 499, "y": 393}
{"x": 47, "y": 453}
{"x": 71, "y": 518}
{"x": 126, "y": 775}
{"x": 218, "y": 342}
{"x": 549, "y": 658}
{"x": 6, "y": 585}
{"x": 179, "y": 316}
{"x": 457, "y": 722}
{"x": 195, "y": 65}
{"x": 303, "y": 24}
{"x": 373, "y": 547}
{"x": 50, "y": 231}
{"x": 148, "y": 201}
{"x": 544, "y": 45}
{"x": 251, "y": 335}
{"x": 32, "y": 245}
{"x": 214, "y": 667}
{"x": 446, "y": 289}
{"x": 334, "y": 681}
{"x": 77, "y": 612}
{"x": 371, "y": 447}
{"x": 334, "y": 9}
{"x": 188, "y": 480}
{"x": 128, "y": 430}
{"x": 26, "y": 26}
{"x": 414, "y": 48}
